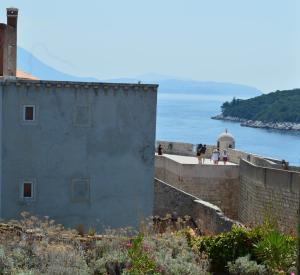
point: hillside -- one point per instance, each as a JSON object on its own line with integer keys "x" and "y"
{"x": 276, "y": 107}
{"x": 27, "y": 62}
{"x": 169, "y": 84}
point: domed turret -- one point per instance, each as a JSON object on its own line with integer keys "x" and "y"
{"x": 226, "y": 140}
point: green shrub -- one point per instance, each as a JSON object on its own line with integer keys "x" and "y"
{"x": 92, "y": 231}
{"x": 229, "y": 246}
{"x": 244, "y": 266}
{"x": 140, "y": 261}
{"x": 276, "y": 250}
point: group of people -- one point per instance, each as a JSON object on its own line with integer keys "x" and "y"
{"x": 201, "y": 150}
{"x": 216, "y": 155}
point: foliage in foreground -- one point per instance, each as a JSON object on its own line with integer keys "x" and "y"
{"x": 34, "y": 246}
{"x": 243, "y": 265}
{"x": 264, "y": 245}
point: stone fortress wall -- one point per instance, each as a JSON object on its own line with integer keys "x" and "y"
{"x": 268, "y": 193}
{"x": 188, "y": 149}
{"x": 211, "y": 183}
{"x": 255, "y": 189}
{"x": 208, "y": 217}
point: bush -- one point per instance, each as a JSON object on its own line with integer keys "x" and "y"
{"x": 227, "y": 247}
{"x": 276, "y": 250}
{"x": 140, "y": 260}
{"x": 173, "y": 255}
{"x": 244, "y": 266}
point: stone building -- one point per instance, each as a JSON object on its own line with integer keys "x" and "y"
{"x": 80, "y": 153}
{"x": 226, "y": 141}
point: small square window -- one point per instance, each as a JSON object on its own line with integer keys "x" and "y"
{"x": 27, "y": 190}
{"x": 29, "y": 113}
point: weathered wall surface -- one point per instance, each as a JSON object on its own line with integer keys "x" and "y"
{"x": 266, "y": 192}
{"x": 216, "y": 184}
{"x": 236, "y": 155}
{"x": 208, "y": 217}
{"x": 90, "y": 152}
{"x": 177, "y": 148}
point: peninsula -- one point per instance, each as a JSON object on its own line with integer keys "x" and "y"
{"x": 276, "y": 110}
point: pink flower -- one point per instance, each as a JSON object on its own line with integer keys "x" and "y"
{"x": 146, "y": 248}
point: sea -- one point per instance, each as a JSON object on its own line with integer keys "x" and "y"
{"x": 187, "y": 118}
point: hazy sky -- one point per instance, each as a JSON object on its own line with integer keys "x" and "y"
{"x": 253, "y": 42}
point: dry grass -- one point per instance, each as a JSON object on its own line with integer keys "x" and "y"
{"x": 40, "y": 246}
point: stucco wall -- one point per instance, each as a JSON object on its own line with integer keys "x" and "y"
{"x": 268, "y": 193}
{"x": 216, "y": 184}
{"x": 102, "y": 135}
{"x": 208, "y": 217}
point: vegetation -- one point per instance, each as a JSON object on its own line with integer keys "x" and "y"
{"x": 244, "y": 266}
{"x": 279, "y": 106}
{"x": 35, "y": 246}
{"x": 39, "y": 246}
{"x": 249, "y": 249}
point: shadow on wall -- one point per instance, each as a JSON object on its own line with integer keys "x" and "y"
{"x": 208, "y": 217}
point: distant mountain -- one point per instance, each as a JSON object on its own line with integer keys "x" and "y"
{"x": 29, "y": 63}
{"x": 167, "y": 84}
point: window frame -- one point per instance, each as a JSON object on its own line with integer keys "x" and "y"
{"x": 24, "y": 113}
{"x": 33, "y": 190}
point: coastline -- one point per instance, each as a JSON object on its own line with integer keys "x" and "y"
{"x": 287, "y": 126}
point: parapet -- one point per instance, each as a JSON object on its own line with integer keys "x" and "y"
{"x": 7, "y": 81}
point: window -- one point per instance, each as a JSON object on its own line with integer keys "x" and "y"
{"x": 80, "y": 190}
{"x": 29, "y": 113}
{"x": 27, "y": 190}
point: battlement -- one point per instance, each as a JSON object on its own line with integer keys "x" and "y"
{"x": 7, "y": 81}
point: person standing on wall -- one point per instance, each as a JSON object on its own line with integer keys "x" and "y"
{"x": 159, "y": 150}
{"x": 225, "y": 156}
{"x": 202, "y": 152}
{"x": 215, "y": 156}
{"x": 199, "y": 148}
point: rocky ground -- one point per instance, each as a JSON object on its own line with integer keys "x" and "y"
{"x": 261, "y": 124}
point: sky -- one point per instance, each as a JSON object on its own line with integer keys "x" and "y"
{"x": 252, "y": 42}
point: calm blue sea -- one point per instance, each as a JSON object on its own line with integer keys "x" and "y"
{"x": 186, "y": 118}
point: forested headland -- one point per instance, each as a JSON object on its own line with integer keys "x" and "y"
{"x": 278, "y": 110}
{"x": 279, "y": 106}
